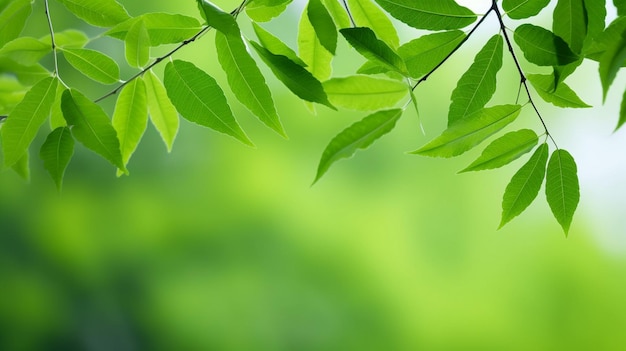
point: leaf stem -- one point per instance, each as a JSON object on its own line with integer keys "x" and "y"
{"x": 345, "y": 5}
{"x": 52, "y": 42}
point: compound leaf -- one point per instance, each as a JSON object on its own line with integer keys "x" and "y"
{"x": 56, "y": 153}
{"x": 504, "y": 150}
{"x": 542, "y": 47}
{"x": 562, "y": 190}
{"x": 428, "y": 14}
{"x": 100, "y": 13}
{"x": 93, "y": 64}
{"x": 163, "y": 114}
{"x": 423, "y": 54}
{"x": 130, "y": 117}
{"x": 364, "y": 93}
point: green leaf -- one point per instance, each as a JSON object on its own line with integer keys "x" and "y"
{"x": 162, "y": 112}
{"x": 562, "y": 72}
{"x": 13, "y": 18}
{"x": 199, "y": 99}
{"x": 524, "y": 186}
{"x": 27, "y": 75}
{"x": 471, "y": 131}
{"x": 504, "y": 150}
{"x": 423, "y": 54}
{"x": 610, "y": 63}
{"x": 622, "y": 113}
{"x": 91, "y": 126}
{"x": 130, "y": 117}
{"x": 562, "y": 96}
{"x": 428, "y": 14}
{"x": 562, "y": 191}
{"x": 360, "y": 135}
{"x": 265, "y": 10}
{"x": 100, "y": 13}
{"x": 367, "y": 14}
{"x": 317, "y": 59}
{"x": 20, "y": 128}
{"x": 26, "y": 50}
{"x": 478, "y": 83}
{"x": 519, "y": 9}
{"x": 542, "y": 47}
{"x": 137, "y": 44}
{"x": 219, "y": 19}
{"x": 22, "y": 167}
{"x": 56, "y": 153}
{"x": 295, "y": 77}
{"x": 621, "y": 7}
{"x": 69, "y": 38}
{"x": 93, "y": 64}
{"x": 365, "y": 42}
{"x": 338, "y": 13}
{"x": 56, "y": 114}
{"x": 595, "y": 11}
{"x": 607, "y": 38}
{"x": 275, "y": 46}
{"x": 246, "y": 81}
{"x": 163, "y": 28}
{"x": 569, "y": 22}
{"x": 364, "y": 93}
{"x": 323, "y": 25}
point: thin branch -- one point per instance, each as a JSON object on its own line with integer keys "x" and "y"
{"x": 53, "y": 43}
{"x": 345, "y": 5}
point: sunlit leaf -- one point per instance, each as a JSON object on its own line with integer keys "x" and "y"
{"x": 504, "y": 150}
{"x": 93, "y": 64}
{"x": 323, "y": 25}
{"x": 275, "y": 46}
{"x": 26, "y": 50}
{"x": 338, "y": 13}
{"x": 27, "y": 75}
{"x": 621, "y": 7}
{"x": 199, "y": 99}
{"x": 163, "y": 28}
{"x": 562, "y": 96}
{"x": 218, "y": 19}
{"x": 130, "y": 117}
{"x": 20, "y": 128}
{"x": 360, "y": 135}
{"x": 542, "y": 47}
{"x": 569, "y": 22}
{"x": 70, "y": 38}
{"x": 366, "y": 14}
{"x": 429, "y": 14}
{"x": 478, "y": 83}
{"x": 101, "y": 13}
{"x": 137, "y": 45}
{"x": 265, "y": 10}
{"x": 423, "y": 54}
{"x": 471, "y": 131}
{"x": 562, "y": 190}
{"x": 519, "y": 9}
{"x": 163, "y": 114}
{"x": 365, "y": 42}
{"x": 56, "y": 153}
{"x": 13, "y": 18}
{"x": 595, "y": 11}
{"x": 364, "y": 93}
{"x": 317, "y": 59}
{"x": 525, "y": 185}
{"x": 56, "y": 114}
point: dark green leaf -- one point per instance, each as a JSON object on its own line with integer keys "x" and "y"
{"x": 163, "y": 114}
{"x": 275, "y": 46}
{"x": 364, "y": 93}
{"x": 365, "y": 42}
{"x": 13, "y": 18}
{"x": 423, "y": 54}
{"x": 622, "y": 112}
{"x": 569, "y": 22}
{"x": 504, "y": 150}
{"x": 94, "y": 65}
{"x": 606, "y": 39}
{"x": 621, "y": 7}
{"x": 611, "y": 61}
{"x": 56, "y": 153}
{"x": 100, "y": 13}
{"x": 519, "y": 9}
{"x": 366, "y": 14}
{"x": 562, "y": 190}
{"x": 429, "y": 14}
{"x": 163, "y": 28}
{"x": 26, "y": 50}
{"x": 524, "y": 186}
{"x": 265, "y": 10}
{"x": 219, "y": 19}
{"x": 130, "y": 117}
{"x": 199, "y": 98}
{"x": 596, "y": 15}
{"x": 323, "y": 25}
{"x": 360, "y": 135}
{"x": 562, "y": 96}
{"x": 542, "y": 47}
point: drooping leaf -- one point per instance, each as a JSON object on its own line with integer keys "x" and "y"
{"x": 22, "y": 166}
{"x": 504, "y": 150}
{"x": 13, "y": 18}
{"x": 162, "y": 112}
{"x": 423, "y": 54}
{"x": 364, "y": 93}
{"x": 199, "y": 99}
{"x": 428, "y": 14}
{"x": 275, "y": 46}
{"x": 595, "y": 11}
{"x": 365, "y": 42}
{"x": 569, "y": 22}
{"x": 137, "y": 45}
{"x": 295, "y": 77}
{"x": 542, "y": 47}
{"x": 218, "y": 19}
{"x": 130, "y": 117}
{"x": 93, "y": 64}
{"x": 360, "y": 135}
{"x": 70, "y": 38}
{"x": 611, "y": 61}
{"x": 91, "y": 126}
{"x": 366, "y": 14}
{"x": 56, "y": 153}
{"x": 519, "y": 9}
{"x": 562, "y": 72}
{"x": 100, "y": 13}
{"x": 471, "y": 131}
{"x": 478, "y": 83}
{"x": 606, "y": 39}
{"x": 163, "y": 28}
{"x": 562, "y": 96}
{"x": 265, "y": 10}
{"x": 562, "y": 190}
{"x": 317, "y": 59}
{"x": 622, "y": 112}
{"x": 338, "y": 13}
{"x": 524, "y": 186}
{"x": 246, "y": 81}
{"x": 323, "y": 25}
{"x": 26, "y": 50}
{"x": 56, "y": 114}
{"x": 20, "y": 128}
{"x": 27, "y": 75}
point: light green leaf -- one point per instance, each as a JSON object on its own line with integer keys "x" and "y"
{"x": 137, "y": 45}
{"x": 317, "y": 59}
{"x": 365, "y": 42}
{"x": 562, "y": 191}
{"x": 246, "y": 81}
{"x": 562, "y": 96}
{"x": 265, "y": 10}
{"x": 163, "y": 28}
{"x": 366, "y": 14}
{"x": 504, "y": 150}
{"x": 93, "y": 64}
{"x": 20, "y": 128}
{"x": 471, "y": 131}
{"x": 162, "y": 112}
{"x": 26, "y": 50}
{"x": 91, "y": 126}
{"x": 519, "y": 9}
{"x": 199, "y": 98}
{"x": 275, "y": 46}
{"x": 56, "y": 153}
{"x": 364, "y": 93}
{"x": 569, "y": 22}
{"x": 295, "y": 77}
{"x": 100, "y": 13}
{"x": 542, "y": 47}
{"x": 360, "y": 135}
{"x": 562, "y": 72}
{"x": 11, "y": 93}
{"x": 423, "y": 54}
{"x": 218, "y": 19}
{"x": 56, "y": 114}
{"x": 323, "y": 25}
{"x": 478, "y": 83}
{"x": 524, "y": 186}
{"x": 22, "y": 166}
{"x": 428, "y": 14}
{"x": 338, "y": 13}
{"x": 130, "y": 117}
{"x": 13, "y": 18}
{"x": 70, "y": 38}
{"x": 610, "y": 63}
{"x": 27, "y": 75}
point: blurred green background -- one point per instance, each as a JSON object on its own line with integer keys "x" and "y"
{"x": 218, "y": 246}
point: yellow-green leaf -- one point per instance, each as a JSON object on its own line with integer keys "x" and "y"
{"x": 93, "y": 64}
{"x": 130, "y": 117}
{"x": 163, "y": 114}
{"x": 56, "y": 153}
{"x": 365, "y": 93}
{"x": 562, "y": 190}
